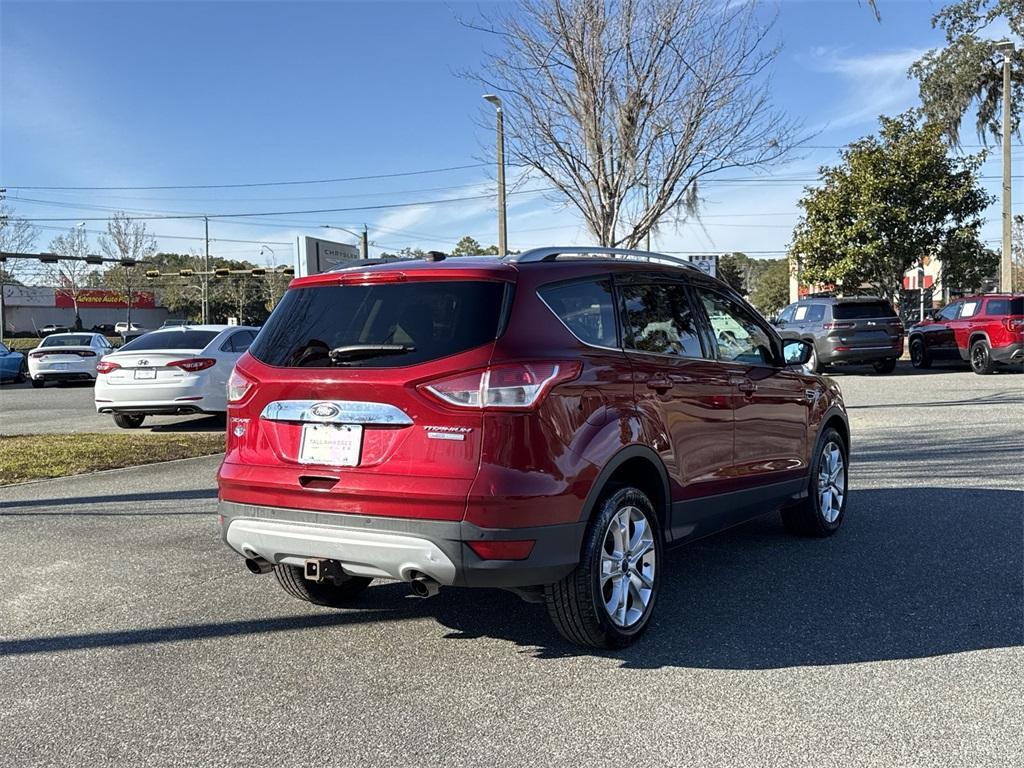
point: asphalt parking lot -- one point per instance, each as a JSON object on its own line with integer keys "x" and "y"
{"x": 69, "y": 408}
{"x": 130, "y": 636}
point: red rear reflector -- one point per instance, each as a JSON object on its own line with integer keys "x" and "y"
{"x": 104, "y": 366}
{"x": 193, "y": 364}
{"x": 842, "y": 349}
{"x": 519, "y": 549}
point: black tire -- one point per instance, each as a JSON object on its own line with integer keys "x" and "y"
{"x": 806, "y": 517}
{"x": 20, "y": 376}
{"x": 813, "y": 363}
{"x": 885, "y": 366}
{"x": 129, "y": 420}
{"x": 981, "y": 358}
{"x": 329, "y": 593}
{"x": 919, "y": 357}
{"x": 37, "y": 383}
{"x": 577, "y": 603}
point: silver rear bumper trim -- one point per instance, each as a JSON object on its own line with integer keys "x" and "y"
{"x": 336, "y": 412}
{"x": 361, "y": 553}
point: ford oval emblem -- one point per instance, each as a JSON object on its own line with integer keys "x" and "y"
{"x": 325, "y": 410}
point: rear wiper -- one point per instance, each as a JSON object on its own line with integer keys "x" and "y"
{"x": 342, "y": 355}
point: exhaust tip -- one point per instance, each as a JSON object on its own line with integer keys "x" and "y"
{"x": 258, "y": 565}
{"x": 424, "y": 586}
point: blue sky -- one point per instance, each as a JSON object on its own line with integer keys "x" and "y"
{"x": 188, "y": 93}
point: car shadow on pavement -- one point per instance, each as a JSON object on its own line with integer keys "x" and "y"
{"x": 913, "y": 573}
{"x": 11, "y": 508}
{"x": 201, "y": 424}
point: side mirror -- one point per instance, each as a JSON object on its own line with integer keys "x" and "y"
{"x": 796, "y": 351}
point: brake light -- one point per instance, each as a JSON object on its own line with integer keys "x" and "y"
{"x": 515, "y": 386}
{"x": 238, "y": 387}
{"x": 105, "y": 366}
{"x": 85, "y": 353}
{"x": 1014, "y": 324}
{"x": 362, "y": 278}
{"x": 837, "y": 326}
{"x": 193, "y": 364}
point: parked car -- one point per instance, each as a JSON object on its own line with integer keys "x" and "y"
{"x": 67, "y": 357}
{"x": 169, "y": 323}
{"x": 985, "y": 331}
{"x": 107, "y": 329}
{"x": 845, "y": 329}
{"x": 123, "y": 328}
{"x": 173, "y": 371}
{"x": 49, "y": 328}
{"x": 12, "y": 365}
{"x": 548, "y": 422}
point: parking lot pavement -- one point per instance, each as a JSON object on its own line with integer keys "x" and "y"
{"x": 62, "y": 409}
{"x": 130, "y": 636}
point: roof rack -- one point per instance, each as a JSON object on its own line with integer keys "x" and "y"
{"x": 537, "y": 255}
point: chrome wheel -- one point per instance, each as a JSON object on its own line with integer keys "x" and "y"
{"x": 627, "y": 566}
{"x": 831, "y": 482}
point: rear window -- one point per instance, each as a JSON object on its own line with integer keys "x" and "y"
{"x": 1014, "y": 306}
{"x": 432, "y": 318}
{"x": 67, "y": 341}
{"x": 857, "y": 310}
{"x": 171, "y": 340}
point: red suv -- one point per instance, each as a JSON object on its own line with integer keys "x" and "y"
{"x": 984, "y": 330}
{"x": 548, "y": 423}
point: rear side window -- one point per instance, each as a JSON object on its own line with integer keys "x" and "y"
{"x": 430, "y": 319}
{"x": 171, "y": 340}
{"x": 586, "y": 308}
{"x": 659, "y": 319}
{"x": 1014, "y": 306}
{"x": 815, "y": 313}
{"x": 238, "y": 342}
{"x": 860, "y": 310}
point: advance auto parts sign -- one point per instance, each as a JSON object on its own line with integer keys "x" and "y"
{"x": 97, "y": 299}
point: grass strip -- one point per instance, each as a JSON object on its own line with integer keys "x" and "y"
{"x": 35, "y": 457}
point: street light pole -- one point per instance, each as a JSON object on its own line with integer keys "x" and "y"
{"x": 1006, "y": 262}
{"x": 502, "y": 231}
{"x": 206, "y": 270}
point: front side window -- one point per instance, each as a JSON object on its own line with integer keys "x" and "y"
{"x": 659, "y": 319}
{"x": 587, "y": 309}
{"x": 787, "y": 314}
{"x": 948, "y": 312}
{"x": 739, "y": 337}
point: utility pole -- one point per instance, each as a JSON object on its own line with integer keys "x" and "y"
{"x": 206, "y": 271}
{"x": 364, "y": 244}
{"x": 502, "y": 233}
{"x": 1006, "y": 262}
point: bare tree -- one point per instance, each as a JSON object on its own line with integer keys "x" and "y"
{"x": 17, "y": 235}
{"x": 70, "y": 275}
{"x": 126, "y": 239}
{"x": 625, "y": 105}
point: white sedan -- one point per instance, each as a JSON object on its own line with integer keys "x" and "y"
{"x": 67, "y": 357}
{"x": 170, "y": 371}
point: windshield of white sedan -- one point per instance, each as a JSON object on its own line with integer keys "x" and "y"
{"x": 171, "y": 340}
{"x": 67, "y": 341}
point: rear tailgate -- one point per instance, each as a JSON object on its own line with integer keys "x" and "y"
{"x": 863, "y": 325}
{"x": 355, "y": 432}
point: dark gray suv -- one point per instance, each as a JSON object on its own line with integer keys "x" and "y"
{"x": 845, "y": 329}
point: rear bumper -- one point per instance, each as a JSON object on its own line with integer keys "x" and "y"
{"x": 63, "y": 376}
{"x": 840, "y": 353}
{"x": 1011, "y": 353}
{"x": 152, "y": 409}
{"x": 399, "y": 548}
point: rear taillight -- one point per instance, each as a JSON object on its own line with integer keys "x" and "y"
{"x": 193, "y": 364}
{"x": 238, "y": 387}
{"x": 838, "y": 326}
{"x": 105, "y": 366}
{"x": 1014, "y": 324}
{"x": 515, "y": 386}
{"x": 85, "y": 353}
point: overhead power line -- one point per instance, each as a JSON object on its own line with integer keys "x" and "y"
{"x": 261, "y": 183}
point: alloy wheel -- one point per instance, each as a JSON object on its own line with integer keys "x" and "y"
{"x": 628, "y": 562}
{"x": 831, "y": 482}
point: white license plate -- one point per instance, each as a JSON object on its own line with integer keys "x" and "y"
{"x": 60, "y": 366}
{"x": 145, "y": 373}
{"x": 335, "y": 445}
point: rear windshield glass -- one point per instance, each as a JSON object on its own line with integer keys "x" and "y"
{"x": 1014, "y": 306}
{"x": 171, "y": 340}
{"x": 860, "y": 309}
{"x": 424, "y": 320}
{"x": 67, "y": 341}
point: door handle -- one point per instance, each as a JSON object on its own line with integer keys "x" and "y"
{"x": 745, "y": 385}
{"x": 659, "y": 383}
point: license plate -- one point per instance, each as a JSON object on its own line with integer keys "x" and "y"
{"x": 145, "y": 373}
{"x": 335, "y": 445}
{"x": 60, "y": 366}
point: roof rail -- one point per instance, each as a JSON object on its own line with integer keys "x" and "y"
{"x": 537, "y": 255}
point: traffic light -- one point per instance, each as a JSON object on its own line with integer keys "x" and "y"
{"x": 258, "y": 272}
{"x": 90, "y": 259}
{"x": 151, "y": 273}
{"x": 186, "y": 272}
{"x": 128, "y": 262}
{"x": 222, "y": 271}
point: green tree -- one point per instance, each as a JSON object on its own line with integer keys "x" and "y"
{"x": 732, "y": 268}
{"x": 968, "y": 72}
{"x": 772, "y": 291}
{"x": 468, "y": 246}
{"x": 892, "y": 200}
